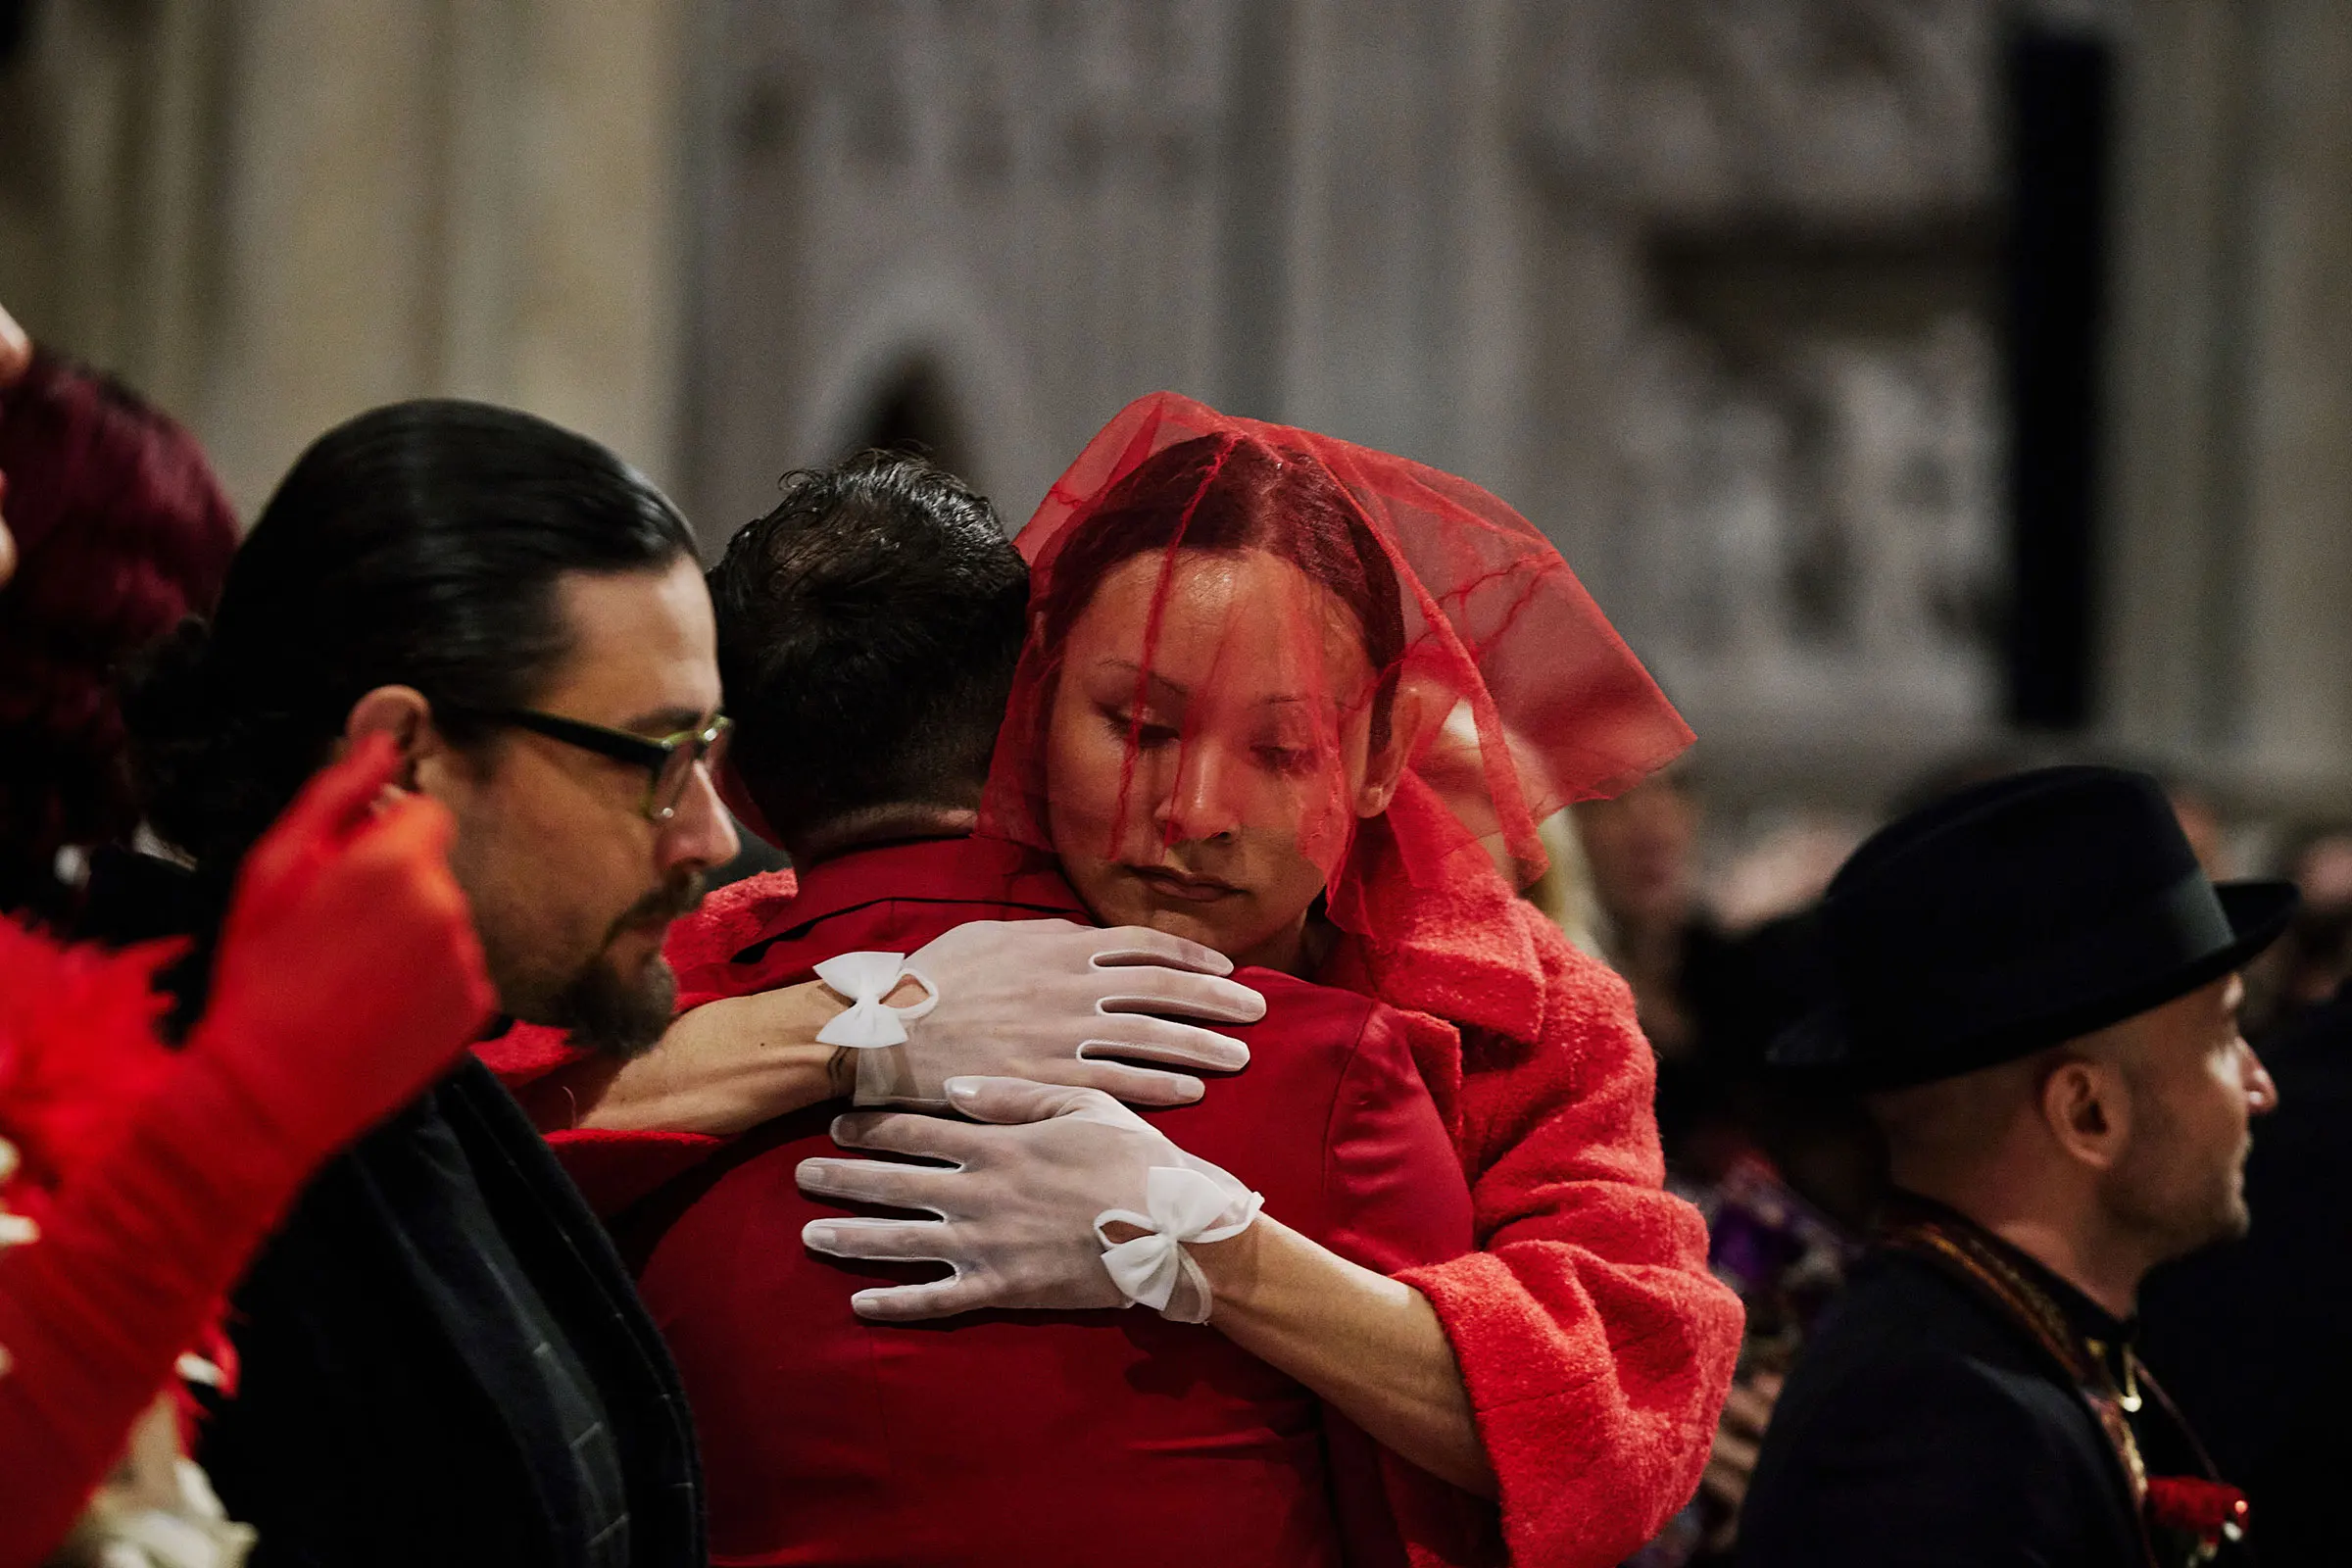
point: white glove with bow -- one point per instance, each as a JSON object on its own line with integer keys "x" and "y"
{"x": 1022, "y": 1211}
{"x": 1041, "y": 1000}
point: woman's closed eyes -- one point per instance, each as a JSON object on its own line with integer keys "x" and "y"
{"x": 1281, "y": 752}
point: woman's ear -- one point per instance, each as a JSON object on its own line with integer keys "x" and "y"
{"x": 404, "y": 714}
{"x": 1384, "y": 768}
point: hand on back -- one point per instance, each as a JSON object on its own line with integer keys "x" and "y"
{"x": 1026, "y": 1212}
{"x": 1048, "y": 1001}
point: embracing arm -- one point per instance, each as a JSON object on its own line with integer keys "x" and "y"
{"x": 721, "y": 1068}
{"x": 1030, "y": 998}
{"x": 1570, "y": 1368}
{"x": 1016, "y": 1218}
{"x": 1573, "y": 1368}
{"x": 1371, "y": 1344}
{"x": 1043, "y": 1000}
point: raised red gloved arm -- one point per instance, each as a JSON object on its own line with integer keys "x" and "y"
{"x": 349, "y": 977}
{"x": 129, "y": 1268}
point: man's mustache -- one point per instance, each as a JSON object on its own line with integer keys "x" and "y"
{"x": 676, "y": 897}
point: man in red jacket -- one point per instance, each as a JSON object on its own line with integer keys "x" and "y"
{"x": 869, "y": 631}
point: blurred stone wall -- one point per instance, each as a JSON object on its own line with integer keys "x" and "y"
{"x": 1709, "y": 288}
{"x": 2229, "y": 572}
{"x": 272, "y": 213}
{"x": 1704, "y": 289}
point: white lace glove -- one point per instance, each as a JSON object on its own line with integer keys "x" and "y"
{"x": 1041, "y": 1000}
{"x": 1023, "y": 1208}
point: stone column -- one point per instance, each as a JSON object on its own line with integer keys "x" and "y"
{"x": 2227, "y": 595}
{"x": 2295, "y": 612}
{"x": 272, "y": 213}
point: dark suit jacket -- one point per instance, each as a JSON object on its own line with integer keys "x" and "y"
{"x": 388, "y": 1412}
{"x": 1920, "y": 1428}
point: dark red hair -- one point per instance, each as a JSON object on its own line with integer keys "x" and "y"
{"x": 121, "y": 533}
{"x": 1228, "y": 493}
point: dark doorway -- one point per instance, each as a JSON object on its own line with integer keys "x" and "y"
{"x": 913, "y": 413}
{"x": 2060, "y": 89}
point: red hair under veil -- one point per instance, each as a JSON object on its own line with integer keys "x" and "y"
{"x": 1496, "y": 638}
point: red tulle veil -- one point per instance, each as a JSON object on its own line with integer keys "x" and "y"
{"x": 1510, "y": 691}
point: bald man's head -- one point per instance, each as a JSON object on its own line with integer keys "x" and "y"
{"x": 2141, "y": 1128}
{"x": 1948, "y": 1132}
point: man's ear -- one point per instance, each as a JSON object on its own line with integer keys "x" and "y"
{"x": 1410, "y": 713}
{"x": 404, "y": 714}
{"x": 2085, "y": 1105}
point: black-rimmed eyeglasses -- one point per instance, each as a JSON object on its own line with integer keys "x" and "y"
{"x": 669, "y": 760}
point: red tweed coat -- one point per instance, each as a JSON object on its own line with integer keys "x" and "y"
{"x": 1596, "y": 1347}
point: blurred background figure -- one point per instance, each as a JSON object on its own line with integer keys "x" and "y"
{"x": 1565, "y": 890}
{"x": 119, "y": 531}
{"x": 2314, "y": 959}
{"x": 1643, "y": 851}
{"x": 134, "y": 1180}
{"x": 1717, "y": 966}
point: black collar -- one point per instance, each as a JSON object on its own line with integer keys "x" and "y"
{"x": 2107, "y": 1337}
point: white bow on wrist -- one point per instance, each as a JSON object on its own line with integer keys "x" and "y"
{"x": 866, "y": 978}
{"x": 1186, "y": 1206}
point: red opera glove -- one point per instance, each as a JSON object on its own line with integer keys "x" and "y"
{"x": 349, "y": 976}
{"x": 77, "y": 1049}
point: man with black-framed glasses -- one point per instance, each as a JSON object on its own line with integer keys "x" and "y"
{"x": 443, "y": 1360}
{"x": 669, "y": 760}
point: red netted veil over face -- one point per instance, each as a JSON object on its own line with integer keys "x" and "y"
{"x": 1265, "y": 666}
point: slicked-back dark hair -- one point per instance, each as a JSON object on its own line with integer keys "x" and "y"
{"x": 417, "y": 545}
{"x": 869, "y": 628}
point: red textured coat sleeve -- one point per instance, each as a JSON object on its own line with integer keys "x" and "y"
{"x": 133, "y": 1257}
{"x": 1595, "y": 1345}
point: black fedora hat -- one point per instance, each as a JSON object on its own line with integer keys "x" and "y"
{"x": 2015, "y": 916}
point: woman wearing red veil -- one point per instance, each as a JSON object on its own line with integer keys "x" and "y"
{"x": 1254, "y": 652}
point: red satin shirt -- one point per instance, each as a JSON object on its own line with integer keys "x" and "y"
{"x": 1028, "y": 1438}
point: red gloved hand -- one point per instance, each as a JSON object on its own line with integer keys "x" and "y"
{"x": 349, "y": 976}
